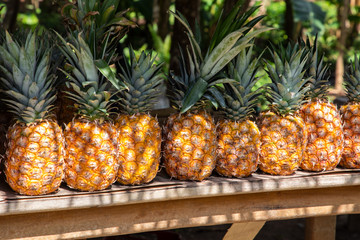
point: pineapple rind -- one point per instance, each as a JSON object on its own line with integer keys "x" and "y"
{"x": 325, "y": 139}
{"x": 351, "y": 122}
{"x": 190, "y": 146}
{"x": 35, "y": 157}
{"x": 92, "y": 152}
{"x": 350, "y": 118}
{"x": 238, "y": 148}
{"x": 139, "y": 148}
{"x": 282, "y": 143}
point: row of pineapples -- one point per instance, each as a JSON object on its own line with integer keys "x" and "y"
{"x": 95, "y": 149}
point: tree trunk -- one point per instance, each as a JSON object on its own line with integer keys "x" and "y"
{"x": 343, "y": 13}
{"x": 12, "y": 9}
{"x": 292, "y": 28}
{"x": 190, "y": 9}
{"x": 163, "y": 23}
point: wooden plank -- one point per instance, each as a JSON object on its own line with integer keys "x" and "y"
{"x": 243, "y": 231}
{"x": 163, "y": 189}
{"x": 319, "y": 228}
{"x": 152, "y": 216}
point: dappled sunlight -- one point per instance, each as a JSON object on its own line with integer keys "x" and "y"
{"x": 162, "y": 188}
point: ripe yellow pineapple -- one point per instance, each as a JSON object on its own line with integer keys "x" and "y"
{"x": 91, "y": 138}
{"x": 322, "y": 119}
{"x": 190, "y": 146}
{"x": 238, "y": 136}
{"x": 351, "y": 118}
{"x": 35, "y": 144}
{"x": 282, "y": 131}
{"x": 190, "y": 136}
{"x": 140, "y": 141}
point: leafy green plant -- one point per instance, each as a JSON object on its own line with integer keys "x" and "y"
{"x": 310, "y": 14}
{"x": 99, "y": 21}
{"x": 161, "y": 47}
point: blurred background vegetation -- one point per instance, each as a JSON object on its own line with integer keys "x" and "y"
{"x": 336, "y": 22}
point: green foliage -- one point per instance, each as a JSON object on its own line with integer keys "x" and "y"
{"x": 196, "y": 85}
{"x": 352, "y": 83}
{"x": 101, "y": 23}
{"x": 209, "y": 13}
{"x": 89, "y": 16}
{"x": 161, "y": 47}
{"x": 288, "y": 84}
{"x": 274, "y": 18}
{"x": 2, "y": 11}
{"x": 263, "y": 80}
{"x": 26, "y": 77}
{"x": 29, "y": 20}
{"x": 310, "y": 14}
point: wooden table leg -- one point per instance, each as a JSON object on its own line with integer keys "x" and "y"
{"x": 319, "y": 228}
{"x": 243, "y": 231}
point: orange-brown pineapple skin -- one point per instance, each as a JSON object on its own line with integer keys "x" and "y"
{"x": 91, "y": 162}
{"x": 139, "y": 148}
{"x": 238, "y": 148}
{"x": 351, "y": 122}
{"x": 282, "y": 144}
{"x": 190, "y": 146}
{"x": 35, "y": 157}
{"x": 325, "y": 140}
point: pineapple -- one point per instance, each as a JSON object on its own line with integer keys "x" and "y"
{"x": 91, "y": 138}
{"x": 322, "y": 119}
{"x": 34, "y": 159}
{"x": 140, "y": 142}
{"x": 350, "y": 115}
{"x": 282, "y": 131}
{"x": 238, "y": 136}
{"x": 190, "y": 136}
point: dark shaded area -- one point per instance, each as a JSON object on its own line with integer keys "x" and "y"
{"x": 348, "y": 228}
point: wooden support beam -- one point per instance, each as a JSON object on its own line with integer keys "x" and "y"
{"x": 319, "y": 228}
{"x": 243, "y": 231}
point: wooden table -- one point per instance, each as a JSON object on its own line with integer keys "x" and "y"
{"x": 168, "y": 204}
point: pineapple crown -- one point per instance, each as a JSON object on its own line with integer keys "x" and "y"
{"x": 288, "y": 86}
{"x": 239, "y": 98}
{"x": 352, "y": 83}
{"x": 27, "y": 80}
{"x": 197, "y": 85}
{"x": 316, "y": 71}
{"x": 99, "y": 21}
{"x": 142, "y": 79}
{"x": 90, "y": 90}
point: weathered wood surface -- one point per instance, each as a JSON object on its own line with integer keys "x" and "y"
{"x": 164, "y": 189}
{"x": 191, "y": 212}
